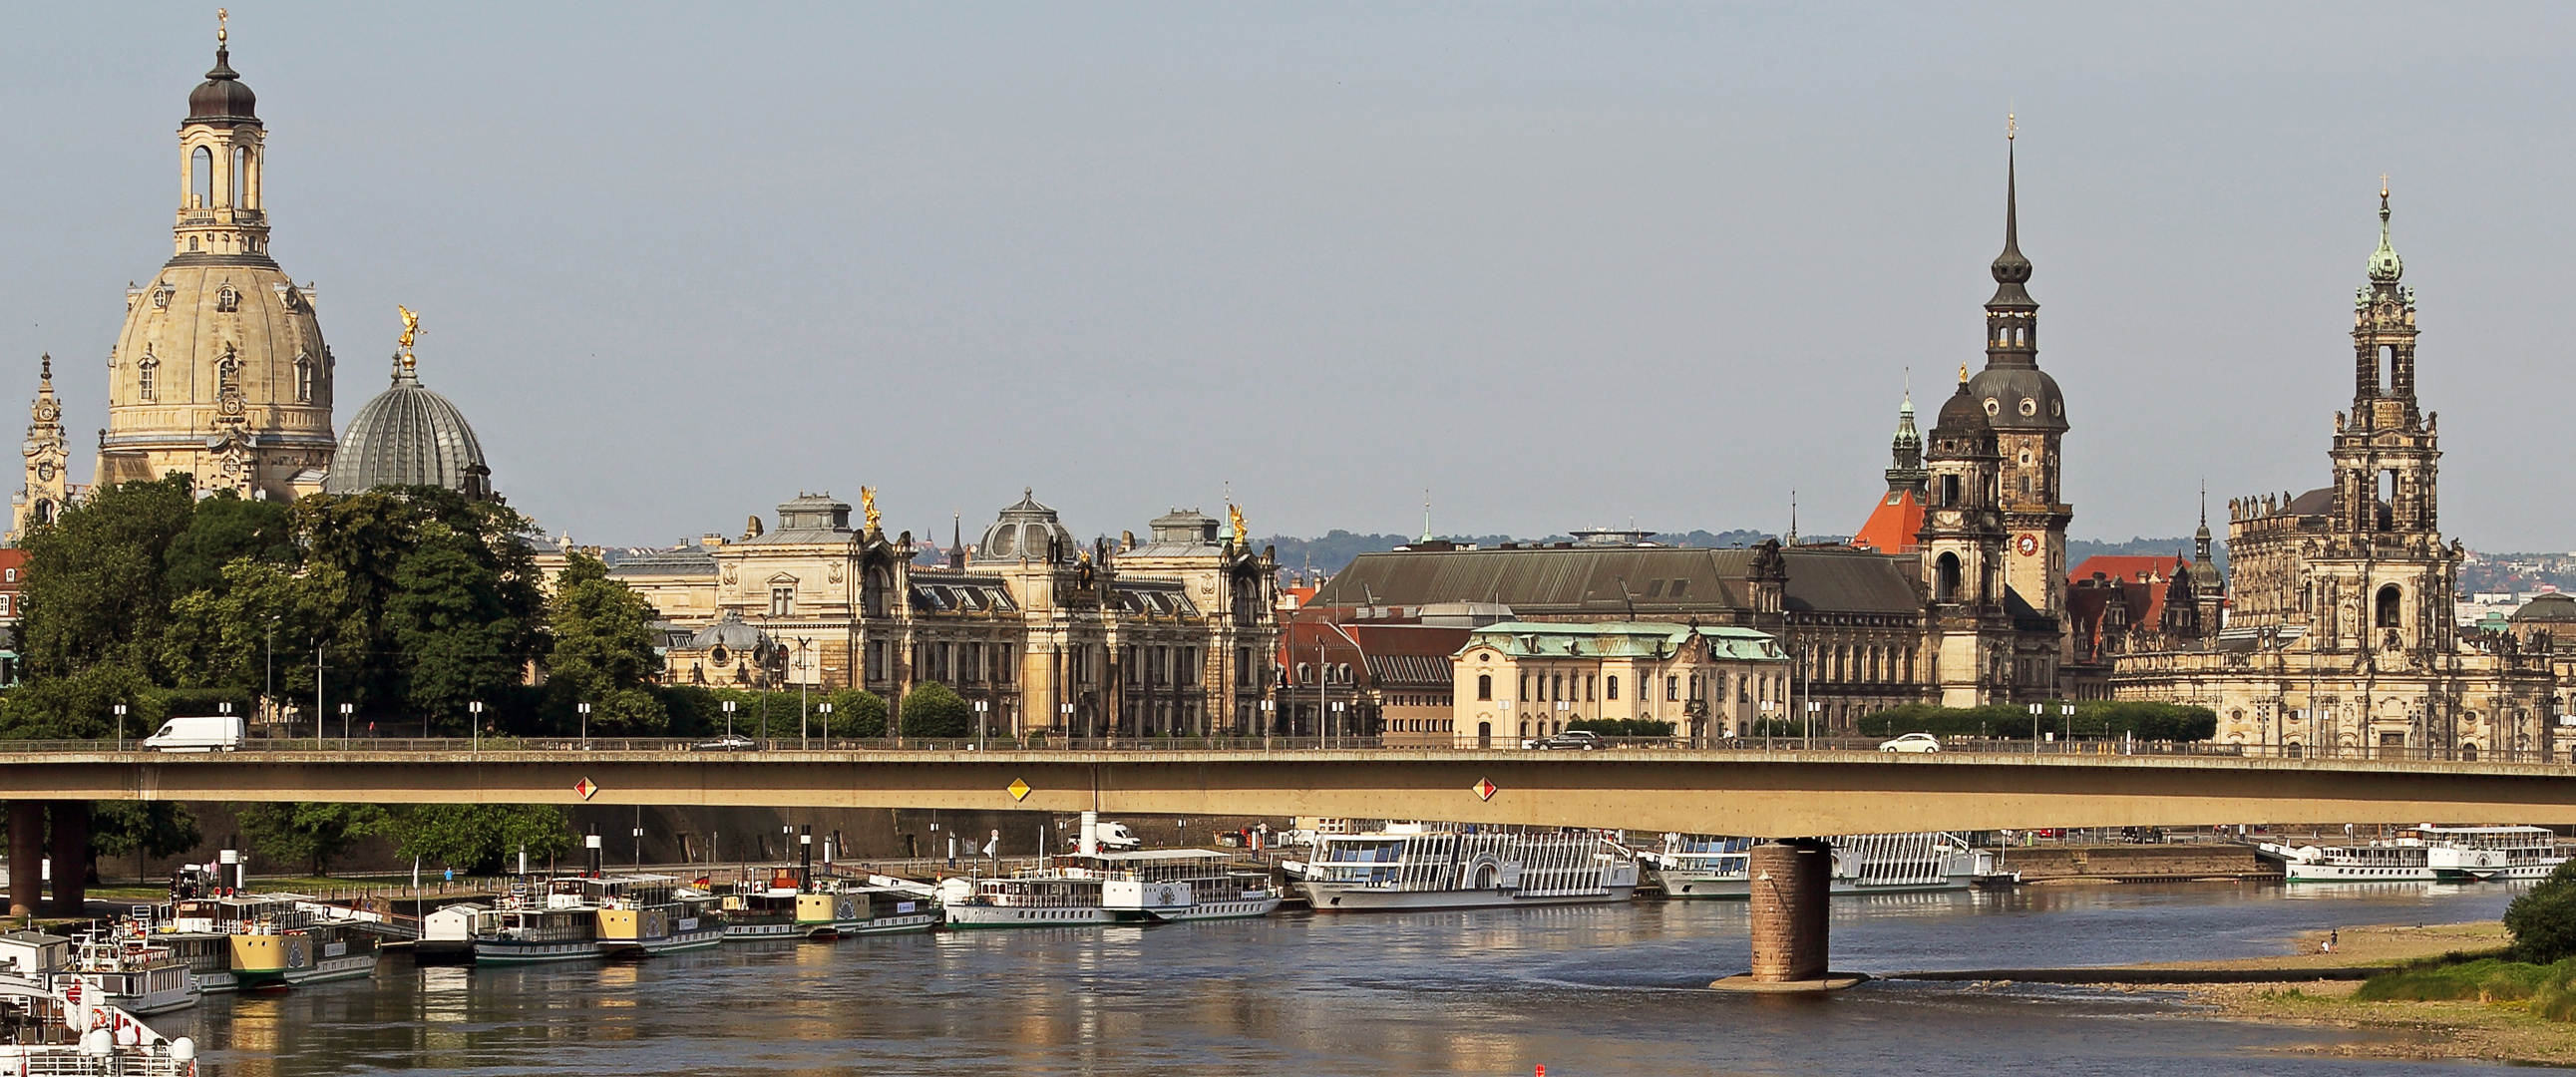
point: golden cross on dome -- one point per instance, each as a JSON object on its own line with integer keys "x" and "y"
{"x": 220, "y": 16}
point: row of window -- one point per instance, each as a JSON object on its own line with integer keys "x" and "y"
{"x": 1853, "y": 663}
{"x": 1581, "y": 687}
{"x": 147, "y": 372}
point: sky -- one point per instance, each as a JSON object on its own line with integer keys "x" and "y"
{"x": 1558, "y": 265}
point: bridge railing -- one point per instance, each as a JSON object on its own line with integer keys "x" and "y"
{"x": 1772, "y": 746}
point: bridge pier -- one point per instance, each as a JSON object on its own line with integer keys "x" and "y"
{"x": 71, "y": 857}
{"x": 1792, "y": 885}
{"x": 26, "y": 854}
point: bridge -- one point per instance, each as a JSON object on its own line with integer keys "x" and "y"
{"x": 1783, "y": 793}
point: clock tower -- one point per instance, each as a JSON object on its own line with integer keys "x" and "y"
{"x": 47, "y": 486}
{"x": 2028, "y": 414}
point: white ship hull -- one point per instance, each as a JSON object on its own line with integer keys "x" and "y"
{"x": 1344, "y": 897}
{"x": 970, "y": 916}
{"x": 889, "y": 925}
{"x": 356, "y": 966}
{"x": 494, "y": 952}
{"x": 1691, "y": 885}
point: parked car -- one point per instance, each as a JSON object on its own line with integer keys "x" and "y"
{"x": 197, "y": 733}
{"x": 1578, "y": 739}
{"x": 1912, "y": 742}
{"x": 728, "y": 743}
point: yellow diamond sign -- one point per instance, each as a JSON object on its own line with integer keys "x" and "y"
{"x": 1019, "y": 790}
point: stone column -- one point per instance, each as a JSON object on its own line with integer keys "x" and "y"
{"x": 1792, "y": 881}
{"x": 26, "y": 854}
{"x": 71, "y": 857}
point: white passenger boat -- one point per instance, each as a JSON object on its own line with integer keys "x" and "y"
{"x": 1701, "y": 866}
{"x": 573, "y": 919}
{"x": 122, "y": 967}
{"x": 61, "y": 1033}
{"x": 2426, "y": 853}
{"x": 1409, "y": 866}
{"x": 251, "y": 942}
{"x": 1144, "y": 887}
{"x": 826, "y": 909}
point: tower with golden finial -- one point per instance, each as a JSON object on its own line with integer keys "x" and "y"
{"x": 220, "y": 371}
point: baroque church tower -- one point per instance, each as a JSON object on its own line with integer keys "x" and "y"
{"x": 2028, "y": 414}
{"x": 1963, "y": 554}
{"x": 48, "y": 485}
{"x": 220, "y": 370}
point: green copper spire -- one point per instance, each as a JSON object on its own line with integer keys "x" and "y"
{"x": 2385, "y": 265}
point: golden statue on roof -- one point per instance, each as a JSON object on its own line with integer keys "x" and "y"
{"x": 868, "y": 505}
{"x": 1242, "y": 534}
{"x": 411, "y": 326}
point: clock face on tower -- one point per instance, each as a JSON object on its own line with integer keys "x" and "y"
{"x": 2027, "y": 544}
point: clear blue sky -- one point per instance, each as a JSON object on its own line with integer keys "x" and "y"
{"x": 1562, "y": 264}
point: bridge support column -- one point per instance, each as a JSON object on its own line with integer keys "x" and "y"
{"x": 26, "y": 854}
{"x": 1792, "y": 882}
{"x": 71, "y": 857}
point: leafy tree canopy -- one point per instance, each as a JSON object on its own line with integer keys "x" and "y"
{"x": 480, "y": 838}
{"x": 154, "y": 828}
{"x": 95, "y": 589}
{"x": 603, "y": 649}
{"x": 222, "y": 529}
{"x": 932, "y": 709}
{"x": 2542, "y": 920}
{"x": 306, "y": 834}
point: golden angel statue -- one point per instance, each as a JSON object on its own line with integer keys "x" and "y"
{"x": 1242, "y": 534}
{"x": 411, "y": 325}
{"x": 868, "y": 505}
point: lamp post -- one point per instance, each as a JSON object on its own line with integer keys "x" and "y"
{"x": 981, "y": 706}
{"x": 120, "y": 727}
{"x": 584, "y": 708}
{"x": 1337, "y": 717}
{"x": 474, "y": 712}
{"x": 2035, "y": 710}
{"x": 1813, "y": 708}
{"x": 346, "y": 709}
{"x": 824, "y": 708}
{"x": 1067, "y": 708}
{"x": 1268, "y": 708}
{"x": 728, "y": 706}
{"x": 1766, "y": 724}
{"x": 2066, "y": 711}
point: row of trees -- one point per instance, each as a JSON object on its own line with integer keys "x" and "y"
{"x": 2095, "y": 718}
{"x": 474, "y": 838}
{"x": 409, "y": 603}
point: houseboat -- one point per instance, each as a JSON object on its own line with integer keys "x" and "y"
{"x": 1142, "y": 887}
{"x": 250, "y": 942}
{"x": 2426, "y": 853}
{"x": 830, "y": 908}
{"x": 122, "y": 967}
{"x": 1442, "y": 866}
{"x": 578, "y": 918}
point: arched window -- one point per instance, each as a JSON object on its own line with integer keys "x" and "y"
{"x": 241, "y": 176}
{"x": 2390, "y": 614}
{"x": 1945, "y": 587}
{"x": 1610, "y": 687}
{"x": 1949, "y": 490}
{"x": 201, "y": 180}
{"x": 1305, "y": 673}
{"x": 144, "y": 375}
{"x": 1485, "y": 687}
{"x": 227, "y": 300}
{"x": 303, "y": 380}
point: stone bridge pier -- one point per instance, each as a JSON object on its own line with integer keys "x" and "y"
{"x": 28, "y": 849}
{"x": 1792, "y": 886}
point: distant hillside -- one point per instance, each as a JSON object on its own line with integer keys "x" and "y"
{"x": 2079, "y": 549}
{"x": 1336, "y": 549}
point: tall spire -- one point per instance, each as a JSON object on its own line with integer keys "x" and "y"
{"x": 2012, "y": 316}
{"x": 2385, "y": 265}
{"x": 1907, "y": 472}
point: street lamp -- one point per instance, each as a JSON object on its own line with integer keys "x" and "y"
{"x": 728, "y": 706}
{"x": 346, "y": 709}
{"x": 120, "y": 727}
{"x": 1813, "y": 708}
{"x": 981, "y": 706}
{"x": 1337, "y": 717}
{"x": 1767, "y": 705}
{"x": 2035, "y": 710}
{"x": 584, "y": 708}
{"x": 1067, "y": 708}
{"x": 1268, "y": 708}
{"x": 475, "y": 711}
{"x": 825, "y": 709}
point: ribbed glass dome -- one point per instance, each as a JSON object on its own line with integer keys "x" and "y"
{"x": 409, "y": 436}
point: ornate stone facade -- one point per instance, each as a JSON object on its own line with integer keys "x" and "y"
{"x": 220, "y": 370}
{"x": 2339, "y": 631}
{"x": 1049, "y": 634}
{"x": 48, "y": 486}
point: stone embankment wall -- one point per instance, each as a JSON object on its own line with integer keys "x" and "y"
{"x": 2135, "y": 863}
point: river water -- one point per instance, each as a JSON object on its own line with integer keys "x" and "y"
{"x": 1583, "y": 991}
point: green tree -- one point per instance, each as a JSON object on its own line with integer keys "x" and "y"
{"x": 856, "y": 712}
{"x": 932, "y": 709}
{"x": 480, "y": 838}
{"x": 2542, "y": 920}
{"x": 95, "y": 588}
{"x": 222, "y": 529}
{"x": 458, "y": 636}
{"x": 141, "y": 829}
{"x": 81, "y": 705}
{"x": 309, "y": 834}
{"x": 227, "y": 637}
{"x": 603, "y": 648}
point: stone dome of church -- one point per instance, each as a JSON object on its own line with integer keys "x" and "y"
{"x": 222, "y": 96}
{"x": 409, "y": 436}
{"x": 2547, "y": 609}
{"x": 1961, "y": 414}
{"x": 1026, "y": 529}
{"x": 2019, "y": 398}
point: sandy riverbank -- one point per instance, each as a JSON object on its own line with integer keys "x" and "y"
{"x": 2501, "y": 1032}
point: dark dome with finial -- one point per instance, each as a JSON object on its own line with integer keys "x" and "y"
{"x": 222, "y": 96}
{"x": 409, "y": 436}
{"x": 1961, "y": 415}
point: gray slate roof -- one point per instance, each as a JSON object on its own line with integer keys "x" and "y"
{"x": 1661, "y": 581}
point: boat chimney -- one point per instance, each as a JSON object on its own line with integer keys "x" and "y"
{"x": 523, "y": 860}
{"x": 591, "y": 842}
{"x": 1090, "y": 837}
{"x": 228, "y": 871}
{"x": 805, "y": 857}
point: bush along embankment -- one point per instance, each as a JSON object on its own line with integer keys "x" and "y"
{"x": 2538, "y": 971}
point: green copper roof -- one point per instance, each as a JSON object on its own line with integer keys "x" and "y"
{"x": 2385, "y": 265}
{"x": 1621, "y": 639}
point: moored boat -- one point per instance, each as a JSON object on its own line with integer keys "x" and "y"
{"x": 62, "y": 1034}
{"x": 1099, "y": 888}
{"x": 122, "y": 967}
{"x": 250, "y": 942}
{"x": 1420, "y": 866}
{"x": 1699, "y": 866}
{"x": 2426, "y": 853}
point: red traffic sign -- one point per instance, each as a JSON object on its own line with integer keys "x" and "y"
{"x": 586, "y": 787}
{"x": 1485, "y": 788}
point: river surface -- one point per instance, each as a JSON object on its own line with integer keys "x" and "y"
{"x": 1583, "y": 991}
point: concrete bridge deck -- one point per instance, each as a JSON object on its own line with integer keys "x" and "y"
{"x": 1727, "y": 791}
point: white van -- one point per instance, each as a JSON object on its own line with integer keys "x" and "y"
{"x": 198, "y": 733}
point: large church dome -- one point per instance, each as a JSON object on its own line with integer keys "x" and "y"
{"x": 409, "y": 436}
{"x": 1029, "y": 530}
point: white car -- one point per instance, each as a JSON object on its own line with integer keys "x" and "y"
{"x": 1912, "y": 742}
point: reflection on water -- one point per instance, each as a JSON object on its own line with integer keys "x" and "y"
{"x": 1597, "y": 990}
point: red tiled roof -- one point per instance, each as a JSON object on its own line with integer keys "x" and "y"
{"x": 2130, "y": 568}
{"x": 1893, "y": 524}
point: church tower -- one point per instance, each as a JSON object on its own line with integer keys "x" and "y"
{"x": 220, "y": 370}
{"x": 2388, "y": 577}
{"x": 2028, "y": 415}
{"x": 48, "y": 488}
{"x": 1898, "y": 518}
{"x": 1962, "y": 546}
